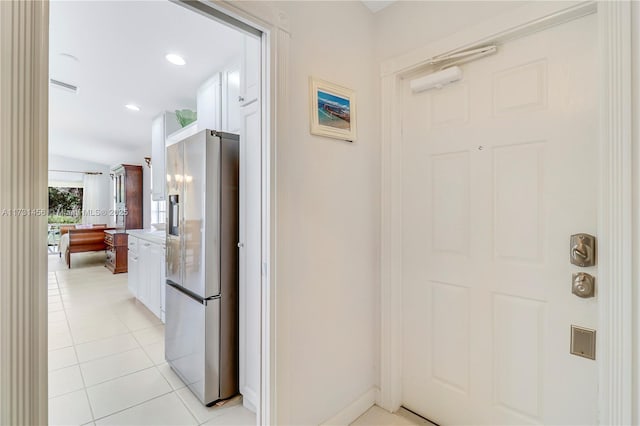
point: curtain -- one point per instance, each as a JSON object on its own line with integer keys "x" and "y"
{"x": 91, "y": 200}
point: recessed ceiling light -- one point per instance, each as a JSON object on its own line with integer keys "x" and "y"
{"x": 132, "y": 107}
{"x": 175, "y": 59}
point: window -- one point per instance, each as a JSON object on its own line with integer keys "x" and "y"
{"x": 158, "y": 208}
{"x": 65, "y": 207}
{"x": 158, "y": 211}
{"x": 65, "y": 204}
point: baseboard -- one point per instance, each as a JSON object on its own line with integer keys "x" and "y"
{"x": 249, "y": 398}
{"x": 354, "y": 410}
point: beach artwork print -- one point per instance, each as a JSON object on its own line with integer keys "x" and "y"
{"x": 332, "y": 110}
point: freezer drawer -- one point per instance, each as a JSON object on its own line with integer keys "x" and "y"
{"x": 192, "y": 342}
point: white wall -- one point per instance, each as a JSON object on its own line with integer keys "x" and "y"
{"x": 408, "y": 25}
{"x": 328, "y": 221}
{"x": 57, "y": 162}
{"x": 328, "y": 224}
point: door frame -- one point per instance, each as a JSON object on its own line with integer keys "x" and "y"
{"x": 24, "y": 72}
{"x": 273, "y": 94}
{"x": 615, "y": 307}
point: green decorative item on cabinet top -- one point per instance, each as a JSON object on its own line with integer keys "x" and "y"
{"x": 186, "y": 116}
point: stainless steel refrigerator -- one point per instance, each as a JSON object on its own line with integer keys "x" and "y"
{"x": 201, "y": 330}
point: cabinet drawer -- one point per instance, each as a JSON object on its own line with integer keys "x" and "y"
{"x": 111, "y": 257}
{"x": 133, "y": 244}
{"x": 108, "y": 239}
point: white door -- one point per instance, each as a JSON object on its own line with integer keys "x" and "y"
{"x": 499, "y": 169}
{"x": 250, "y": 253}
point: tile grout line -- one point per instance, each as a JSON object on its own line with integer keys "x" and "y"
{"x": 93, "y": 359}
{"x": 126, "y": 374}
{"x": 136, "y": 405}
{"x": 149, "y": 326}
{"x": 184, "y": 404}
{"x": 140, "y": 346}
{"x": 86, "y": 394}
{"x": 79, "y": 363}
{"x": 108, "y": 380}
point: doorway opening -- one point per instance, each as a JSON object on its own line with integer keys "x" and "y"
{"x": 120, "y": 93}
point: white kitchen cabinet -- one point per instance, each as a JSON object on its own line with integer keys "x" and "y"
{"x": 151, "y": 278}
{"x": 162, "y": 126}
{"x": 133, "y": 269}
{"x": 147, "y": 272}
{"x": 209, "y": 103}
{"x": 230, "y": 94}
{"x": 250, "y": 71}
{"x": 163, "y": 284}
{"x": 250, "y": 254}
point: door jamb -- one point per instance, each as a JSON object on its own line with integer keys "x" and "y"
{"x": 275, "y": 51}
{"x": 614, "y": 200}
{"x": 28, "y": 326}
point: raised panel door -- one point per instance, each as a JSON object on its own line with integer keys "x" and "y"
{"x": 499, "y": 169}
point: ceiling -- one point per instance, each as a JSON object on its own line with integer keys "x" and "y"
{"x": 377, "y": 5}
{"x": 120, "y": 49}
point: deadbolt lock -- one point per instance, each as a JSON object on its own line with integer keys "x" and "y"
{"x": 583, "y": 250}
{"x": 583, "y": 285}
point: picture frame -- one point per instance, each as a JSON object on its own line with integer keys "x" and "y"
{"x": 332, "y": 110}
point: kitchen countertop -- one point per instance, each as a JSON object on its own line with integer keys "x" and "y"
{"x": 150, "y": 235}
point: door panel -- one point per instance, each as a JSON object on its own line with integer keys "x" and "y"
{"x": 499, "y": 170}
{"x": 192, "y": 336}
{"x": 194, "y": 213}
{"x": 201, "y": 214}
{"x": 250, "y": 253}
{"x": 175, "y": 171}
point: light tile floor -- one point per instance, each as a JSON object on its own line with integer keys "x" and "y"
{"x": 106, "y": 356}
{"x": 376, "y": 416}
{"x": 106, "y": 359}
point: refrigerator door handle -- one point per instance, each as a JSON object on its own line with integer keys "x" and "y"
{"x": 186, "y": 292}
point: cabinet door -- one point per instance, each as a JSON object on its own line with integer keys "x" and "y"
{"x": 133, "y": 274}
{"x": 162, "y": 126}
{"x": 209, "y": 102}
{"x": 143, "y": 267}
{"x": 158, "y": 180}
{"x": 230, "y": 99}
{"x": 163, "y": 284}
{"x": 250, "y": 73}
{"x": 154, "y": 272}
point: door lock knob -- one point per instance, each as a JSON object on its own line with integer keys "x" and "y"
{"x": 583, "y": 285}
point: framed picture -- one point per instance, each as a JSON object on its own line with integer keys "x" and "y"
{"x": 333, "y": 110}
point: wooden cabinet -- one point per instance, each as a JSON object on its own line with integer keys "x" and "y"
{"x": 128, "y": 196}
{"x": 162, "y": 126}
{"x": 116, "y": 242}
